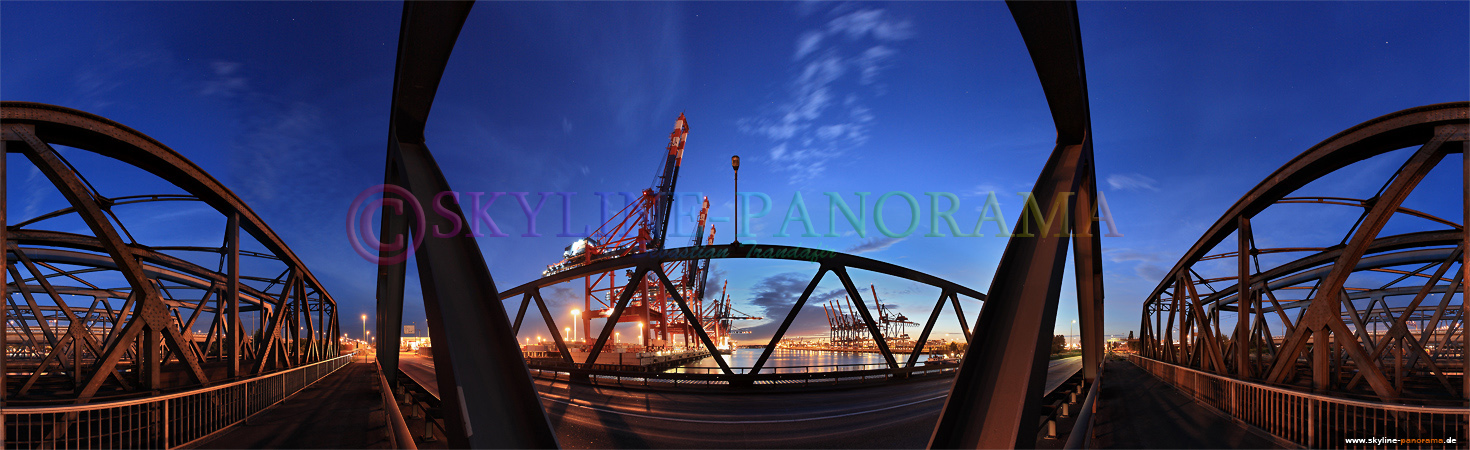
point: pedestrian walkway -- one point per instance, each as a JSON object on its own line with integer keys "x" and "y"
{"x": 343, "y": 410}
{"x": 1137, "y": 410}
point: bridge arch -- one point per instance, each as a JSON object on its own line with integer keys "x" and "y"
{"x": 147, "y": 344}
{"x": 1332, "y": 345}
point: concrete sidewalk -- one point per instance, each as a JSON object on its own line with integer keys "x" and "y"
{"x": 1137, "y": 410}
{"x": 343, "y": 410}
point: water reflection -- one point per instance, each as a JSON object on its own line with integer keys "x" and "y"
{"x": 795, "y": 361}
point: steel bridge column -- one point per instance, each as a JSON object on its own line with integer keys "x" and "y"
{"x": 488, "y": 396}
{"x": 5, "y": 291}
{"x": 391, "y": 280}
{"x": 1087, "y": 266}
{"x": 1464, "y": 275}
{"x": 232, "y": 290}
{"x": 995, "y": 399}
{"x": 1243, "y": 298}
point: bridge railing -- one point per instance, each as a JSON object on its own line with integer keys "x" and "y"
{"x": 164, "y": 421}
{"x": 715, "y": 378}
{"x": 786, "y": 369}
{"x": 1317, "y": 421}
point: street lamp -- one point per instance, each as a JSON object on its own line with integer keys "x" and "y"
{"x": 575, "y": 313}
{"x": 735, "y": 163}
{"x": 642, "y": 338}
{"x": 364, "y": 326}
{"x": 567, "y": 330}
{"x": 617, "y": 337}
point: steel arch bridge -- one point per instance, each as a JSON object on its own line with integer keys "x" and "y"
{"x": 648, "y": 271}
{"x": 998, "y": 390}
{"x": 75, "y": 336}
{"x": 1339, "y": 328}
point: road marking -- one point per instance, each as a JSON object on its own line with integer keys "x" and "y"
{"x": 804, "y": 419}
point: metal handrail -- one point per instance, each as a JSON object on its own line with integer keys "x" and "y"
{"x": 402, "y": 438}
{"x": 156, "y": 398}
{"x": 1310, "y": 419}
{"x": 164, "y": 421}
{"x": 1401, "y": 407}
{"x": 1081, "y": 436}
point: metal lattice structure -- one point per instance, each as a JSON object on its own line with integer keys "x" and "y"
{"x": 998, "y": 389}
{"x": 649, "y": 268}
{"x": 1374, "y": 316}
{"x": 71, "y": 335}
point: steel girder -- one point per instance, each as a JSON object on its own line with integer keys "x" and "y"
{"x": 489, "y": 400}
{"x": 1330, "y": 337}
{"x": 996, "y": 396}
{"x": 98, "y": 348}
{"x": 995, "y": 389}
{"x": 648, "y": 270}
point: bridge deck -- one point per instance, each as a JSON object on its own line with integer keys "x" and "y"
{"x": 897, "y": 415}
{"x": 1137, "y": 410}
{"x": 343, "y": 410}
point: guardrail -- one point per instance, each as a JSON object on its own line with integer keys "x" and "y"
{"x": 401, "y": 437}
{"x": 1317, "y": 421}
{"x": 163, "y": 421}
{"x": 1081, "y": 436}
{"x": 822, "y": 375}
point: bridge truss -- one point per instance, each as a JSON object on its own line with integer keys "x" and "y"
{"x": 649, "y": 268}
{"x": 103, "y": 315}
{"x": 998, "y": 390}
{"x": 1376, "y": 315}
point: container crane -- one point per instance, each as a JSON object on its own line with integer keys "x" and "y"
{"x": 642, "y": 226}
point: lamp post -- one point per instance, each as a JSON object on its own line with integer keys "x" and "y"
{"x": 642, "y": 338}
{"x": 735, "y": 163}
{"x": 575, "y": 313}
{"x": 617, "y": 337}
{"x": 364, "y": 326}
{"x": 567, "y": 330}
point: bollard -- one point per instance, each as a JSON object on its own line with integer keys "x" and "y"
{"x": 1051, "y": 429}
{"x": 1064, "y": 411}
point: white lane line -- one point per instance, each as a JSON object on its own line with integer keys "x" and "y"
{"x": 805, "y": 419}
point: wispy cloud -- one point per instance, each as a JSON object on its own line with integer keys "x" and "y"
{"x": 776, "y": 294}
{"x": 873, "y": 245}
{"x": 1127, "y": 255}
{"x": 838, "y": 64}
{"x": 1150, "y": 266}
{"x": 226, "y": 82}
{"x": 1131, "y": 182}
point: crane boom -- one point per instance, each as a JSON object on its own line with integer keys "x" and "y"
{"x": 667, "y": 181}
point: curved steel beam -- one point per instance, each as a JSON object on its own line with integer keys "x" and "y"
{"x": 996, "y": 397}
{"x": 31, "y": 129}
{"x": 1375, "y": 137}
{"x": 90, "y": 132}
{"x": 490, "y": 400}
{"x": 778, "y": 252}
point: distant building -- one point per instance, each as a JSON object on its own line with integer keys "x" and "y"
{"x": 412, "y": 344}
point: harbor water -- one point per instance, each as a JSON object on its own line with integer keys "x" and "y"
{"x": 794, "y": 360}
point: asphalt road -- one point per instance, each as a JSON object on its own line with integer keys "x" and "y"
{"x": 895, "y": 415}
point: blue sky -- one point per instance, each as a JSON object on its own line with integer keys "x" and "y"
{"x": 1193, "y": 103}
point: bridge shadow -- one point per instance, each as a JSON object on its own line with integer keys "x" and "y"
{"x": 1137, "y": 410}
{"x": 616, "y": 431}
